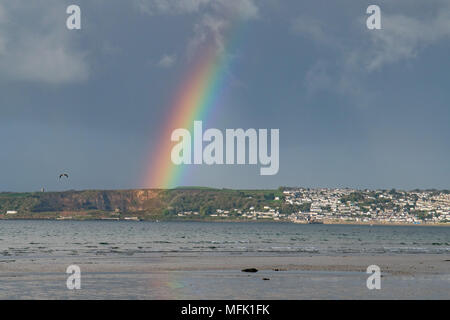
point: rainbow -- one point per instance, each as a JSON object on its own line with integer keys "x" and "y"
{"x": 195, "y": 100}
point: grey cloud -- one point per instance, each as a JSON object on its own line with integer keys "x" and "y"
{"x": 214, "y": 17}
{"x": 312, "y": 28}
{"x": 167, "y": 61}
{"x": 318, "y": 78}
{"x": 170, "y": 6}
{"x": 403, "y": 37}
{"x": 213, "y": 24}
{"x": 210, "y": 29}
{"x": 242, "y": 8}
{"x": 360, "y": 52}
{"x": 40, "y": 48}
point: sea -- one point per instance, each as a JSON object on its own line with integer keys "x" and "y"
{"x": 38, "y": 238}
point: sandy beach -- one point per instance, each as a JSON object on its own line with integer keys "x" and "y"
{"x": 427, "y": 264}
{"x": 193, "y": 276}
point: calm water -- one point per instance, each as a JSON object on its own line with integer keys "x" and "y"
{"x": 61, "y": 238}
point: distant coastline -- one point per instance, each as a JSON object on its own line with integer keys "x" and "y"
{"x": 296, "y": 205}
{"x": 209, "y": 220}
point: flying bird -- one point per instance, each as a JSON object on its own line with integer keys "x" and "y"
{"x": 63, "y": 175}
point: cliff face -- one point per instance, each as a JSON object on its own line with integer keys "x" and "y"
{"x": 108, "y": 200}
{"x": 146, "y": 203}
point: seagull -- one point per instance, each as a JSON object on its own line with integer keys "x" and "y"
{"x": 63, "y": 175}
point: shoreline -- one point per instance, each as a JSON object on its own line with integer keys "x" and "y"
{"x": 326, "y": 222}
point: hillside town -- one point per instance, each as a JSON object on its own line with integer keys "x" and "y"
{"x": 349, "y": 206}
{"x": 380, "y": 206}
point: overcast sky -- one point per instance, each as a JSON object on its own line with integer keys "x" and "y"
{"x": 355, "y": 107}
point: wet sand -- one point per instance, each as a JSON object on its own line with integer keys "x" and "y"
{"x": 206, "y": 276}
{"x": 416, "y": 264}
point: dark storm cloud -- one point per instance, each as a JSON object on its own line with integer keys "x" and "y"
{"x": 354, "y": 107}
